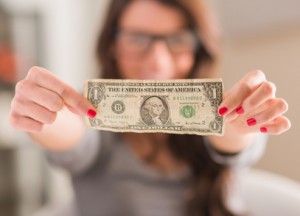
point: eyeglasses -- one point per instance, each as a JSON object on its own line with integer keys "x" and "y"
{"x": 139, "y": 43}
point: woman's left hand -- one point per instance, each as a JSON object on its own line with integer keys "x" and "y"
{"x": 251, "y": 106}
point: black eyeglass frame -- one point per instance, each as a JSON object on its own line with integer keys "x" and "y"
{"x": 156, "y": 37}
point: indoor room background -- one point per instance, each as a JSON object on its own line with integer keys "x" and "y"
{"x": 60, "y": 36}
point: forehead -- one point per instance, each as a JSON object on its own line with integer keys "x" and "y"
{"x": 152, "y": 16}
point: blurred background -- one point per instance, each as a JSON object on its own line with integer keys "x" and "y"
{"x": 60, "y": 35}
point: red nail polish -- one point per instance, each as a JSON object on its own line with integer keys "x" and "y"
{"x": 263, "y": 130}
{"x": 91, "y": 113}
{"x": 222, "y": 111}
{"x": 240, "y": 110}
{"x": 251, "y": 122}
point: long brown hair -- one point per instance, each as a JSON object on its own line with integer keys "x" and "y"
{"x": 207, "y": 186}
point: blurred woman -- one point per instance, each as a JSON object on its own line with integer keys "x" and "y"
{"x": 151, "y": 173}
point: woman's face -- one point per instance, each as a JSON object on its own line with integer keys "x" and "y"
{"x": 153, "y": 43}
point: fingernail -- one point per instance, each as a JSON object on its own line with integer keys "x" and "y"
{"x": 263, "y": 130}
{"x": 222, "y": 111}
{"x": 91, "y": 113}
{"x": 239, "y": 110}
{"x": 251, "y": 122}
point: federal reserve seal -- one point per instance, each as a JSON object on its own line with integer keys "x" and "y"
{"x": 118, "y": 107}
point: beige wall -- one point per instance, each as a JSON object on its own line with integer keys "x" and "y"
{"x": 276, "y": 52}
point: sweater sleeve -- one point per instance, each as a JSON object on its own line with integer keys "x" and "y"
{"x": 80, "y": 157}
{"x": 245, "y": 158}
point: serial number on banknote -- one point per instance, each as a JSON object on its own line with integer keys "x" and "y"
{"x": 188, "y": 106}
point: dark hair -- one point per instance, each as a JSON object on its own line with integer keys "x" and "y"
{"x": 207, "y": 186}
{"x": 106, "y": 40}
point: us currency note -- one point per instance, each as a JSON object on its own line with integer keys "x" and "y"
{"x": 188, "y": 106}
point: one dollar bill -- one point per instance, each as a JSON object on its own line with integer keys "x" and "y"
{"x": 188, "y": 106}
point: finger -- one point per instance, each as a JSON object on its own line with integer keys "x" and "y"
{"x": 262, "y": 107}
{"x": 278, "y": 108}
{"x": 25, "y": 123}
{"x": 241, "y": 90}
{"x": 39, "y": 95}
{"x": 277, "y": 126}
{"x": 33, "y": 111}
{"x": 231, "y": 116}
{"x": 44, "y": 78}
{"x": 265, "y": 91}
{"x": 72, "y": 109}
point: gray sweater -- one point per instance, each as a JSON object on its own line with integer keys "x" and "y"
{"x": 110, "y": 180}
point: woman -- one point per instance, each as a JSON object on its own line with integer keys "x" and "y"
{"x": 150, "y": 174}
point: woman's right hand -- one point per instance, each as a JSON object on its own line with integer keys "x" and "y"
{"x": 38, "y": 99}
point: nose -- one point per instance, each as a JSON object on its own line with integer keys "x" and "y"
{"x": 159, "y": 56}
{"x": 159, "y": 49}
